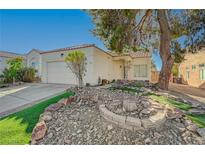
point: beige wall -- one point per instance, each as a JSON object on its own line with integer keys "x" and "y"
{"x": 193, "y": 59}
{"x": 99, "y": 64}
{"x": 56, "y": 56}
{"x": 34, "y": 56}
{"x": 105, "y": 67}
{"x": 140, "y": 61}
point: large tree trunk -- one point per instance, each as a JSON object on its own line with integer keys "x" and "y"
{"x": 165, "y": 54}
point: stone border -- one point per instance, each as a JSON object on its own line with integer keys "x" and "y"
{"x": 40, "y": 129}
{"x": 134, "y": 124}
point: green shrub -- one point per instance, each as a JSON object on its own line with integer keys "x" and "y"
{"x": 6, "y": 76}
{"x": 15, "y": 65}
{"x": 26, "y": 74}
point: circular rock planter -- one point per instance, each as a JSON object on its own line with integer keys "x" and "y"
{"x": 132, "y": 123}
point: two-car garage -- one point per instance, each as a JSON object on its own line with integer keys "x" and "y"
{"x": 57, "y": 72}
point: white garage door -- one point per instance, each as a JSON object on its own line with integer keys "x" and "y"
{"x": 59, "y": 73}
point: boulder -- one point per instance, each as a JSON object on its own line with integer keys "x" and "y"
{"x": 192, "y": 128}
{"x": 39, "y": 131}
{"x": 55, "y": 107}
{"x": 201, "y": 132}
{"x": 94, "y": 98}
{"x": 196, "y": 111}
{"x": 47, "y": 116}
{"x": 145, "y": 111}
{"x": 174, "y": 114}
{"x": 129, "y": 105}
{"x": 145, "y": 104}
{"x": 70, "y": 100}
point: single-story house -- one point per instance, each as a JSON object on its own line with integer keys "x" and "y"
{"x": 100, "y": 64}
{"x": 51, "y": 67}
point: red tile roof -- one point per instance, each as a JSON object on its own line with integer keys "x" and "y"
{"x": 68, "y": 48}
{"x": 10, "y": 54}
{"x": 138, "y": 54}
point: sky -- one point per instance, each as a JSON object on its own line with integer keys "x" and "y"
{"x": 23, "y": 30}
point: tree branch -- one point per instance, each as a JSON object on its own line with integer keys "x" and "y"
{"x": 140, "y": 25}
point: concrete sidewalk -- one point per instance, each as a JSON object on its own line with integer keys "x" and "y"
{"x": 16, "y": 98}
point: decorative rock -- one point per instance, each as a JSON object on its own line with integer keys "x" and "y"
{"x": 79, "y": 131}
{"x": 146, "y": 104}
{"x": 192, "y": 128}
{"x": 57, "y": 128}
{"x": 47, "y": 116}
{"x": 109, "y": 127}
{"x": 147, "y": 123}
{"x": 50, "y": 135}
{"x": 66, "y": 140}
{"x": 65, "y": 124}
{"x": 129, "y": 105}
{"x": 39, "y": 131}
{"x": 145, "y": 111}
{"x": 196, "y": 111}
{"x": 70, "y": 100}
{"x": 157, "y": 135}
{"x": 55, "y": 107}
{"x": 201, "y": 132}
{"x": 94, "y": 98}
{"x": 174, "y": 114}
{"x": 147, "y": 141}
{"x": 134, "y": 122}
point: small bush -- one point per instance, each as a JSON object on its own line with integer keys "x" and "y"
{"x": 6, "y": 76}
{"x": 27, "y": 74}
{"x": 24, "y": 74}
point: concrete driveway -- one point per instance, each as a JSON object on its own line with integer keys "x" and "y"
{"x": 16, "y": 98}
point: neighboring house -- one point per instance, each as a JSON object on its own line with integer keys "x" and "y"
{"x": 100, "y": 64}
{"x": 192, "y": 70}
{"x": 154, "y": 73}
{"x": 4, "y": 56}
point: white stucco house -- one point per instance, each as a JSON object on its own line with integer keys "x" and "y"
{"x": 100, "y": 64}
{"x": 51, "y": 67}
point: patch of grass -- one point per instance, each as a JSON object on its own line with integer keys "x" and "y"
{"x": 165, "y": 100}
{"x": 199, "y": 119}
{"x": 17, "y": 128}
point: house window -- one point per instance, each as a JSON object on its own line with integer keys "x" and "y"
{"x": 193, "y": 67}
{"x": 34, "y": 65}
{"x": 201, "y": 65}
{"x": 202, "y": 71}
{"x": 140, "y": 70}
